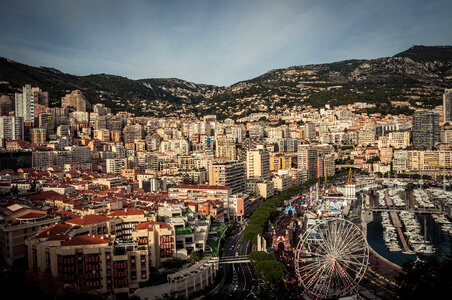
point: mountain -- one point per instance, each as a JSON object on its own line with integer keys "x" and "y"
{"x": 418, "y": 75}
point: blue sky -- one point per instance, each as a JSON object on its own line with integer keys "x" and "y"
{"x": 214, "y": 42}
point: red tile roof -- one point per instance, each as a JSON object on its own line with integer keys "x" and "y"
{"x": 123, "y": 212}
{"x": 150, "y": 225}
{"x": 87, "y": 220}
{"x": 55, "y": 232}
{"x": 200, "y": 187}
{"x": 84, "y": 240}
{"x": 32, "y": 215}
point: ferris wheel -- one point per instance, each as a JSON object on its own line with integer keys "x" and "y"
{"x": 331, "y": 258}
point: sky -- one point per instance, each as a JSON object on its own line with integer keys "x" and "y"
{"x": 213, "y": 42}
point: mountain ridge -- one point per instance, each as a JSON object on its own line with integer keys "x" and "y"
{"x": 418, "y": 75}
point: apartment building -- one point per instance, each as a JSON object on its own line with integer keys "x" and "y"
{"x": 230, "y": 174}
{"x": 257, "y": 164}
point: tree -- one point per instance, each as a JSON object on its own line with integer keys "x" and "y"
{"x": 269, "y": 270}
{"x": 258, "y": 256}
{"x": 429, "y": 278}
{"x": 194, "y": 257}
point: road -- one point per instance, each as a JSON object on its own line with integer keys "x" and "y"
{"x": 237, "y": 277}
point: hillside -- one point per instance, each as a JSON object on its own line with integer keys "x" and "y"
{"x": 418, "y": 75}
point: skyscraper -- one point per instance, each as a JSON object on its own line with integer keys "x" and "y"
{"x": 231, "y": 174}
{"x": 425, "y": 129}
{"x": 11, "y": 128}
{"x": 307, "y": 160}
{"x": 257, "y": 164}
{"x": 225, "y": 147}
{"x": 25, "y": 104}
{"x": 447, "y": 105}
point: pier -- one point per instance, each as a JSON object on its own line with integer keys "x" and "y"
{"x": 398, "y": 225}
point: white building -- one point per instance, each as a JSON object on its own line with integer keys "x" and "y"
{"x": 116, "y": 165}
{"x": 25, "y": 107}
{"x": 11, "y": 128}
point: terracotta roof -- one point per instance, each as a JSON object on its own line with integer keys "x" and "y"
{"x": 87, "y": 220}
{"x": 54, "y": 231}
{"x": 32, "y": 215}
{"x": 150, "y": 225}
{"x": 123, "y": 212}
{"x": 84, "y": 240}
{"x": 43, "y": 195}
{"x": 200, "y": 187}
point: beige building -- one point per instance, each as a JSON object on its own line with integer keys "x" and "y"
{"x": 367, "y": 136}
{"x": 38, "y": 136}
{"x": 90, "y": 253}
{"x": 17, "y": 223}
{"x": 102, "y": 135}
{"x": 231, "y": 174}
{"x": 399, "y": 140}
{"x": 75, "y": 100}
{"x": 429, "y": 161}
{"x": 225, "y": 148}
{"x": 257, "y": 164}
{"x": 265, "y": 189}
{"x": 282, "y": 183}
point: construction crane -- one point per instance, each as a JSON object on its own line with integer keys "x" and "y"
{"x": 350, "y": 176}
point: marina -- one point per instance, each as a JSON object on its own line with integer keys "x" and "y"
{"x": 408, "y": 222}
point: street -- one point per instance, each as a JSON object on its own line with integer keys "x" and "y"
{"x": 237, "y": 277}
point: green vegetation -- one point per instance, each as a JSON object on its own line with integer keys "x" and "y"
{"x": 183, "y": 230}
{"x": 266, "y": 267}
{"x": 194, "y": 257}
{"x": 213, "y": 242}
{"x": 260, "y": 216}
{"x": 174, "y": 263}
{"x": 429, "y": 278}
{"x": 269, "y": 270}
{"x": 258, "y": 256}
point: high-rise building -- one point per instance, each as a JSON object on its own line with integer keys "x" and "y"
{"x": 38, "y": 136}
{"x": 225, "y": 148}
{"x": 6, "y": 105}
{"x": 231, "y": 174}
{"x": 447, "y": 105}
{"x": 257, "y": 164}
{"x": 426, "y": 131}
{"x": 25, "y": 104}
{"x": 76, "y": 100}
{"x": 47, "y": 121}
{"x": 11, "y": 128}
{"x": 40, "y": 97}
{"x": 132, "y": 133}
{"x": 116, "y": 165}
{"x": 307, "y": 160}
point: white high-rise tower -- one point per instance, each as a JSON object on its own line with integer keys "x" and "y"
{"x": 25, "y": 104}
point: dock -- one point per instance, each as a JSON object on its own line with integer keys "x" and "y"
{"x": 398, "y": 225}
{"x": 388, "y": 200}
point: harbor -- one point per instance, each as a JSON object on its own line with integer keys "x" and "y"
{"x": 406, "y": 221}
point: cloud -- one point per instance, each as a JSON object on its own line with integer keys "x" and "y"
{"x": 216, "y": 42}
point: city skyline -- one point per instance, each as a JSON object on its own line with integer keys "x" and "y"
{"x": 213, "y": 43}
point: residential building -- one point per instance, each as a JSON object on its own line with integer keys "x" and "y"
{"x": 257, "y": 164}
{"x": 231, "y": 174}
{"x": 425, "y": 130}
{"x": 25, "y": 104}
